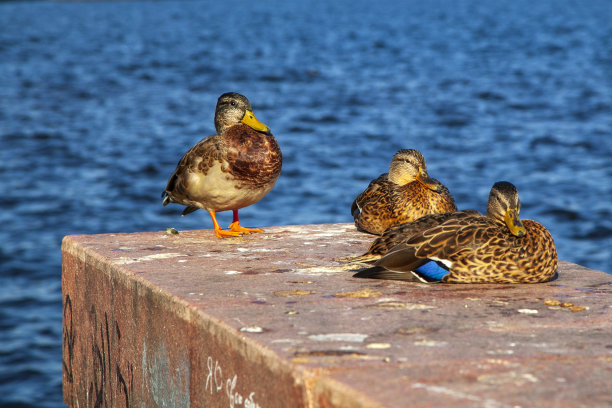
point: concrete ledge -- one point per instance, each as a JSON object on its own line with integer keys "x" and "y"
{"x": 272, "y": 320}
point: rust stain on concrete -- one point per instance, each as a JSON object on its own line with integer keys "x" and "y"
{"x": 292, "y": 292}
{"x": 363, "y": 293}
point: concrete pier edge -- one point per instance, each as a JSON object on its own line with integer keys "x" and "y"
{"x": 273, "y": 319}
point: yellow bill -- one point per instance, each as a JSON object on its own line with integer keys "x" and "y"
{"x": 428, "y": 182}
{"x": 514, "y": 223}
{"x": 250, "y": 120}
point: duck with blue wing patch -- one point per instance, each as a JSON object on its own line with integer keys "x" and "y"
{"x": 496, "y": 248}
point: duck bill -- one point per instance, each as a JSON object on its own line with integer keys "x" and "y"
{"x": 428, "y": 182}
{"x": 514, "y": 223}
{"x": 250, "y": 120}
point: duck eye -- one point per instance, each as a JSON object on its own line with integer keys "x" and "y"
{"x": 233, "y": 103}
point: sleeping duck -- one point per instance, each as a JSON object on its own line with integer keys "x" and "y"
{"x": 230, "y": 170}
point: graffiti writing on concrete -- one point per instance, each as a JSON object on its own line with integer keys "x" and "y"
{"x": 111, "y": 371}
{"x": 68, "y": 340}
{"x": 217, "y": 383}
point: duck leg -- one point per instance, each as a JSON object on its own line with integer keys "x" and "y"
{"x": 235, "y": 226}
{"x": 219, "y": 232}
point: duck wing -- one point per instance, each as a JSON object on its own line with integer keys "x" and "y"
{"x": 200, "y": 158}
{"x": 377, "y": 188}
{"x": 399, "y": 233}
{"x": 444, "y": 243}
{"x": 378, "y": 272}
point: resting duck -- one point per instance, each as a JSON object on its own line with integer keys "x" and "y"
{"x": 231, "y": 170}
{"x": 404, "y": 194}
{"x": 471, "y": 248}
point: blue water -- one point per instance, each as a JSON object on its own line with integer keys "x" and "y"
{"x": 99, "y": 100}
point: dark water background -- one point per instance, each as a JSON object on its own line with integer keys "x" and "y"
{"x": 99, "y": 100}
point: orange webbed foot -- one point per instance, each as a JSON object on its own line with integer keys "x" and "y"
{"x": 236, "y": 227}
{"x": 221, "y": 233}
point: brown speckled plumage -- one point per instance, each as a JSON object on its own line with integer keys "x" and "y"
{"x": 398, "y": 233}
{"x": 229, "y": 170}
{"x": 475, "y": 248}
{"x": 254, "y": 158}
{"x": 402, "y": 195}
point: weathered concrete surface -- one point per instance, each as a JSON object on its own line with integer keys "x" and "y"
{"x": 272, "y": 320}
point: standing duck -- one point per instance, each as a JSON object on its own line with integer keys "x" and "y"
{"x": 402, "y": 195}
{"x": 496, "y": 248}
{"x": 230, "y": 170}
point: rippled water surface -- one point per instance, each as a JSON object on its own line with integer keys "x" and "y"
{"x": 99, "y": 100}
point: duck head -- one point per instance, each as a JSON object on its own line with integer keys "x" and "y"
{"x": 233, "y": 109}
{"x": 407, "y": 166}
{"x": 504, "y": 206}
